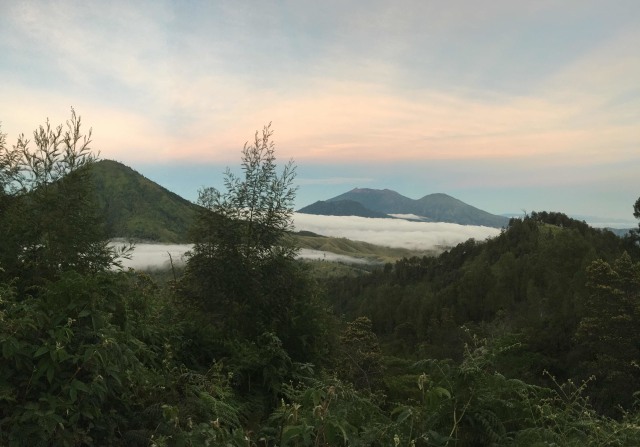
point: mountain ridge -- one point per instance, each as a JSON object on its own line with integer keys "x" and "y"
{"x": 342, "y": 208}
{"x": 436, "y": 207}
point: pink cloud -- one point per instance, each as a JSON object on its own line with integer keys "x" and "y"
{"x": 346, "y": 122}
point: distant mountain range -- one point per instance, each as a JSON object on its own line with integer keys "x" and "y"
{"x": 365, "y": 202}
{"x": 136, "y": 207}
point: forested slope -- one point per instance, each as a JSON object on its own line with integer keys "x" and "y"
{"x": 531, "y": 286}
{"x": 135, "y": 207}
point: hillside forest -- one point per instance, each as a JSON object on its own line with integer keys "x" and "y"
{"x": 530, "y": 338}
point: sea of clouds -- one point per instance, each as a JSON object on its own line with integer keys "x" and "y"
{"x": 386, "y": 232}
{"x": 393, "y": 232}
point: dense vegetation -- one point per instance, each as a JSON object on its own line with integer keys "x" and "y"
{"x": 530, "y": 338}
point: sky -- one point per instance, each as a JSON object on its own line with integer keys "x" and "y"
{"x": 509, "y": 106}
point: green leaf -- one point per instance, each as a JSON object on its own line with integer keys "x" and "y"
{"x": 80, "y": 386}
{"x": 41, "y": 351}
{"x": 6, "y": 350}
{"x": 333, "y": 430}
{"x": 87, "y": 354}
{"x": 317, "y": 395}
{"x": 438, "y": 439}
{"x": 50, "y": 373}
{"x": 290, "y": 432}
{"x": 442, "y": 392}
{"x": 74, "y": 418}
{"x": 405, "y": 412}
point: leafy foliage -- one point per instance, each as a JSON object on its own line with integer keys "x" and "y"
{"x": 90, "y": 362}
{"x": 49, "y": 222}
{"x": 326, "y": 413}
{"x": 250, "y": 219}
{"x": 360, "y": 356}
{"x": 609, "y": 331}
{"x": 242, "y": 268}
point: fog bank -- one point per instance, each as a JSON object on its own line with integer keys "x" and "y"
{"x": 392, "y": 232}
{"x": 153, "y": 256}
{"x": 385, "y": 232}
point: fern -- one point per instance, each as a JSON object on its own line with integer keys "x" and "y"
{"x": 488, "y": 428}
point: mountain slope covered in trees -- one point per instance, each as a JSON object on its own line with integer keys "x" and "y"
{"x": 530, "y": 287}
{"x": 136, "y": 207}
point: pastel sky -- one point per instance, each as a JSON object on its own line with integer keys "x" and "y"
{"x": 506, "y": 105}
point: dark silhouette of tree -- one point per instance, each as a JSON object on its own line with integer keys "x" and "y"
{"x": 49, "y": 219}
{"x": 241, "y": 267}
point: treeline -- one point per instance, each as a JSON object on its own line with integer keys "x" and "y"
{"x": 562, "y": 294}
{"x": 243, "y": 347}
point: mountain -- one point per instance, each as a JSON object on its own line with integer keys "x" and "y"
{"x": 381, "y": 200}
{"x": 432, "y": 207}
{"x": 341, "y": 208}
{"x": 444, "y": 208}
{"x": 135, "y": 207}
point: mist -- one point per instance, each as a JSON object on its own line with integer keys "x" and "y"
{"x": 386, "y": 232}
{"x": 393, "y": 232}
{"x": 309, "y": 254}
{"x": 156, "y": 256}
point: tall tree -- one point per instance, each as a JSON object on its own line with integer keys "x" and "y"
{"x": 241, "y": 267}
{"x": 49, "y": 221}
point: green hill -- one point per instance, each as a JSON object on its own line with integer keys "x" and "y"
{"x": 358, "y": 249}
{"x": 531, "y": 282}
{"x": 136, "y": 207}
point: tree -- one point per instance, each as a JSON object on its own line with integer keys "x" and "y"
{"x": 609, "y": 333}
{"x": 241, "y": 269}
{"x": 257, "y": 209}
{"x": 49, "y": 220}
{"x": 361, "y": 361}
{"x": 635, "y": 233}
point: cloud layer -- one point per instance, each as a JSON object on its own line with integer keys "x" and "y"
{"x": 151, "y": 256}
{"x": 393, "y": 232}
{"x": 386, "y": 232}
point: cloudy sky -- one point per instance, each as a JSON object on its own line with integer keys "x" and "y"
{"x": 506, "y": 105}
